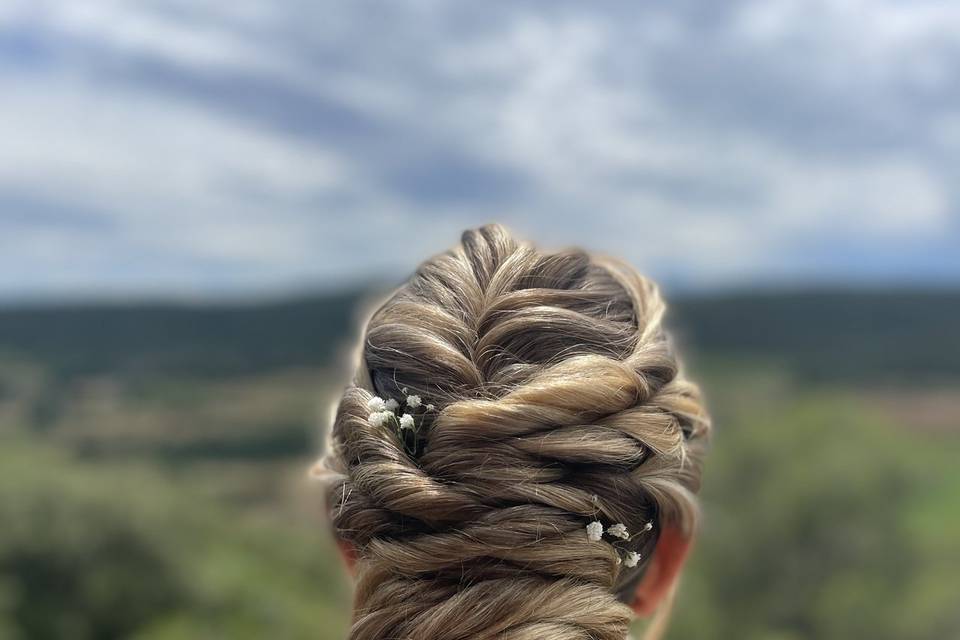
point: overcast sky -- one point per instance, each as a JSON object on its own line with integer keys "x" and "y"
{"x": 205, "y": 147}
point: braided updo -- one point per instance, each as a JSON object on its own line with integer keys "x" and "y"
{"x": 557, "y": 400}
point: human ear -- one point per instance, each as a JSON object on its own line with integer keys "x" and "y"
{"x": 665, "y": 565}
{"x": 348, "y": 553}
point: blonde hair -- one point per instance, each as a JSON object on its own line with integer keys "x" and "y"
{"x": 558, "y": 399}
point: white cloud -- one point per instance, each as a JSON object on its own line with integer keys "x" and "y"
{"x": 127, "y": 146}
{"x": 685, "y": 146}
{"x": 610, "y": 149}
{"x": 881, "y": 198}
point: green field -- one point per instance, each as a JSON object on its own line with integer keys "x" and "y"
{"x": 154, "y": 465}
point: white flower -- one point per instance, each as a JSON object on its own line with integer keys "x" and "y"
{"x": 413, "y": 401}
{"x": 406, "y": 421}
{"x": 404, "y": 390}
{"x": 429, "y": 407}
{"x": 391, "y": 405}
{"x": 632, "y": 559}
{"x": 594, "y": 531}
{"x": 376, "y": 403}
{"x": 379, "y": 418}
{"x": 618, "y": 530}
{"x": 648, "y": 526}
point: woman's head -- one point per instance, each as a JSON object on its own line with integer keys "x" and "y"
{"x": 557, "y": 400}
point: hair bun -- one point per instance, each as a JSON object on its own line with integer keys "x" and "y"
{"x": 556, "y": 399}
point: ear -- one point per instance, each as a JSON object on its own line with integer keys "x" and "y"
{"x": 348, "y": 553}
{"x": 668, "y": 558}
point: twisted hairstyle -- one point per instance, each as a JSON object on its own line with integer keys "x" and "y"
{"x": 558, "y": 400}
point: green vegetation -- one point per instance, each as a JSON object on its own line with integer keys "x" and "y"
{"x": 154, "y": 466}
{"x": 92, "y": 551}
{"x": 819, "y": 525}
{"x": 820, "y": 335}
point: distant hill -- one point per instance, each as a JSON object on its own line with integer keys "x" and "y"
{"x": 863, "y": 335}
{"x": 896, "y": 336}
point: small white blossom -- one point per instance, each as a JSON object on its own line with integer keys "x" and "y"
{"x": 379, "y": 418}
{"x": 429, "y": 407}
{"x": 619, "y": 530}
{"x": 406, "y": 421}
{"x": 632, "y": 559}
{"x": 376, "y": 403}
{"x": 648, "y": 526}
{"x": 595, "y": 530}
{"x": 391, "y": 405}
{"x": 413, "y": 401}
{"x": 404, "y": 390}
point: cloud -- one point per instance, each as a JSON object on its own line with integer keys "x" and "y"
{"x": 168, "y": 145}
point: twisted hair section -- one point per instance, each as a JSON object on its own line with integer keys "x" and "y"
{"x": 558, "y": 399}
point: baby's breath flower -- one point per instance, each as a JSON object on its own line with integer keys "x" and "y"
{"x": 595, "y": 531}
{"x": 429, "y": 407}
{"x": 378, "y": 418}
{"x": 413, "y": 401}
{"x": 619, "y": 530}
{"x": 391, "y": 405}
{"x": 648, "y": 526}
{"x": 632, "y": 559}
{"x": 376, "y": 403}
{"x": 406, "y": 421}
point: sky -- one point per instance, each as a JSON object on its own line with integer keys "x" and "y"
{"x": 206, "y": 148}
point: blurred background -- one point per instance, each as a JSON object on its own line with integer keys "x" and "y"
{"x": 196, "y": 196}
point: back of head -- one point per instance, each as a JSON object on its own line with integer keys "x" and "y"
{"x": 549, "y": 397}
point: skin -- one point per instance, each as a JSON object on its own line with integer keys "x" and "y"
{"x": 665, "y": 565}
{"x": 668, "y": 558}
